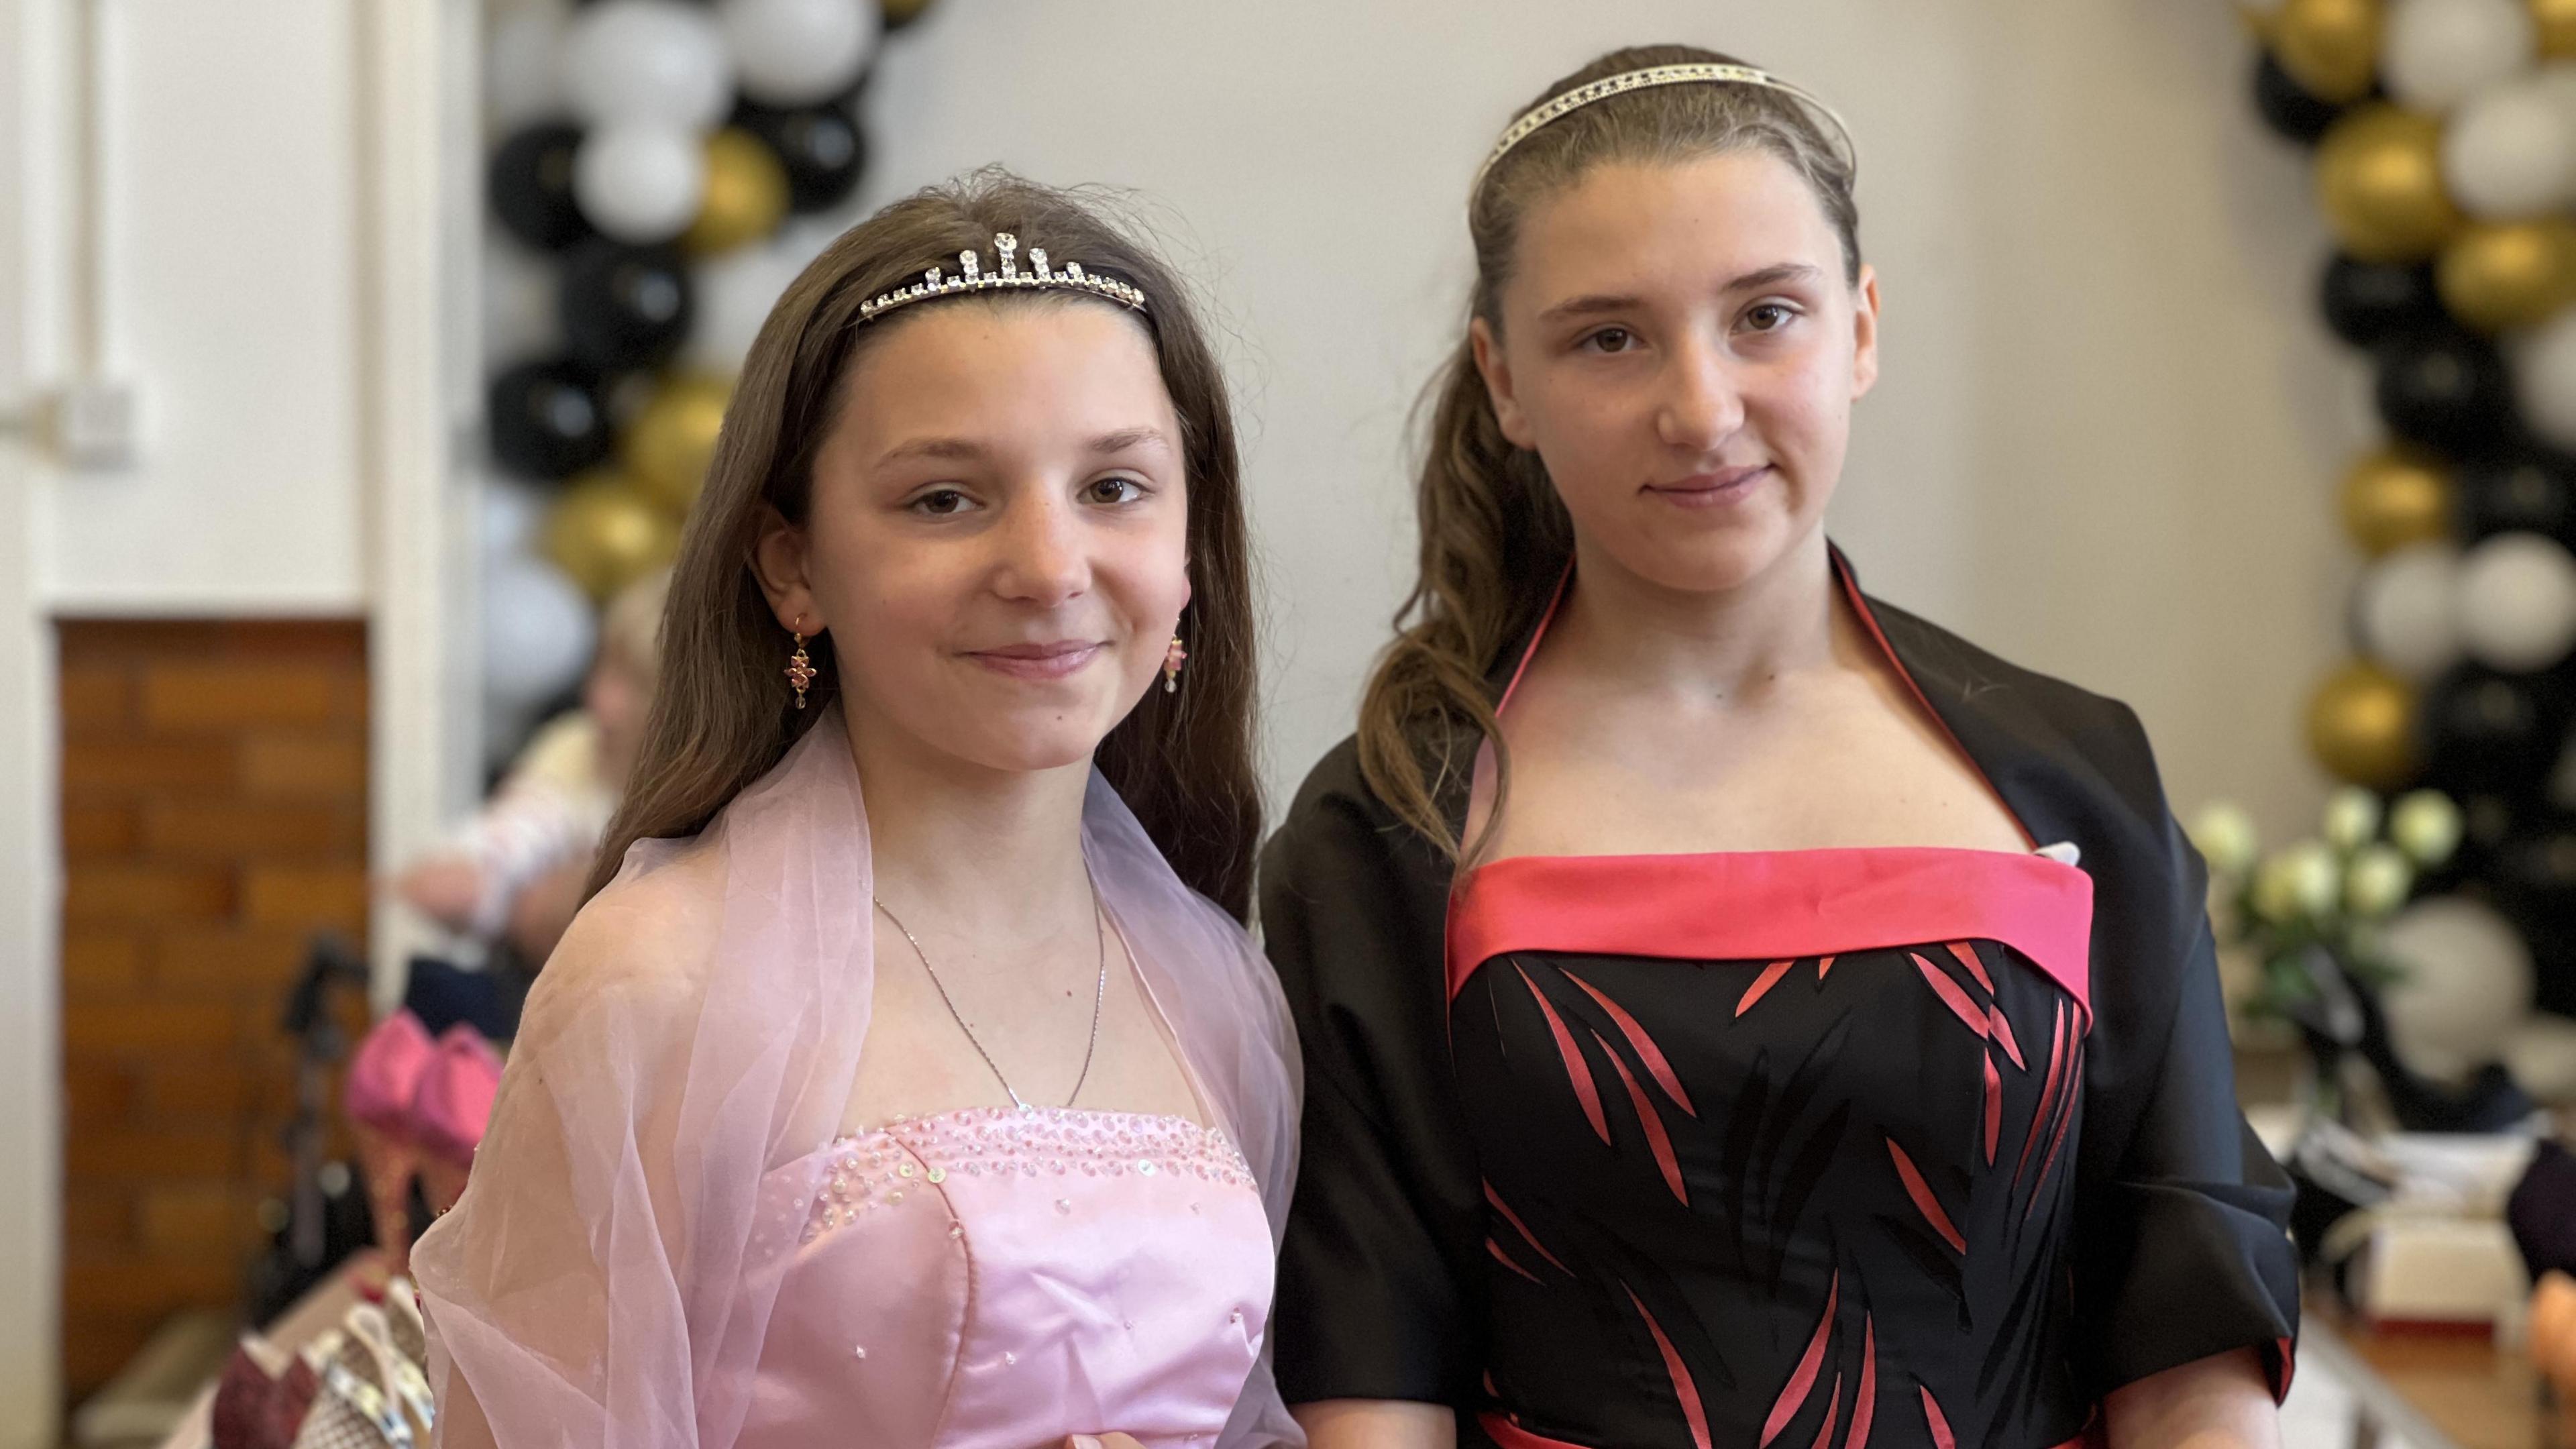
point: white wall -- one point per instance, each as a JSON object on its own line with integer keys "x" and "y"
{"x": 228, "y": 184}
{"x": 2106, "y": 436}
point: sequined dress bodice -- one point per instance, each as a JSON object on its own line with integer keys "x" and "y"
{"x": 996, "y": 1279}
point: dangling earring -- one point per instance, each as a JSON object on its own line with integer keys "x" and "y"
{"x": 1173, "y": 659}
{"x": 800, "y": 669}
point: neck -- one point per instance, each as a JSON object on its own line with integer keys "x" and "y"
{"x": 971, "y": 847}
{"x": 1701, "y": 646}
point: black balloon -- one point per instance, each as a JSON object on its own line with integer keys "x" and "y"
{"x": 822, "y": 148}
{"x": 531, "y": 187}
{"x": 2368, "y": 303}
{"x": 2448, "y": 391}
{"x": 625, "y": 307}
{"x": 2287, "y": 108}
{"x": 2534, "y": 882}
{"x": 2529, "y": 492}
{"x": 2490, "y": 733}
{"x": 548, "y": 419}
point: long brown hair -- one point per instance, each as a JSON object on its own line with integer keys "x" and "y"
{"x": 1495, "y": 536}
{"x": 724, "y": 712}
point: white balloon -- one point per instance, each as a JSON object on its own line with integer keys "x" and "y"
{"x": 2518, "y": 602}
{"x": 640, "y": 182}
{"x": 508, "y": 514}
{"x": 2510, "y": 152}
{"x": 538, "y": 631}
{"x": 523, "y": 64}
{"x": 735, "y": 292}
{"x": 2438, "y": 53}
{"x": 2541, "y": 1055}
{"x": 647, "y": 60}
{"x": 797, "y": 52}
{"x": 2467, "y": 984}
{"x": 2406, "y": 610}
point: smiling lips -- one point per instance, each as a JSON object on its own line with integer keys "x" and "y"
{"x": 1716, "y": 489}
{"x": 1060, "y": 659}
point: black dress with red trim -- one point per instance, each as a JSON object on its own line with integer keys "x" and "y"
{"x": 1836, "y": 1148}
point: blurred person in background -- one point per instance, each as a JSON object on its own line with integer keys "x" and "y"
{"x": 516, "y": 871}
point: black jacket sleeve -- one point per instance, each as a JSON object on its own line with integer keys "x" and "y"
{"x": 1380, "y": 1278}
{"x": 2181, "y": 1247}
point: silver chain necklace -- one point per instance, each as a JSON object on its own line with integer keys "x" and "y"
{"x": 1099, "y": 994}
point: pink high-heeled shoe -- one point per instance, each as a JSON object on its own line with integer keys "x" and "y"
{"x": 384, "y": 1078}
{"x": 451, "y": 1109}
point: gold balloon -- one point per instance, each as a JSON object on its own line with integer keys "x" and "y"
{"x": 605, "y": 535}
{"x": 673, "y": 439}
{"x": 2556, "y": 20}
{"x": 2330, "y": 47}
{"x": 2379, "y": 178}
{"x": 2395, "y": 497}
{"x": 2361, "y": 726}
{"x": 2496, "y": 276}
{"x": 746, "y": 194}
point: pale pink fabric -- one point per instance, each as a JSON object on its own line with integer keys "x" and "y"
{"x": 613, "y": 1276}
{"x": 991, "y": 1279}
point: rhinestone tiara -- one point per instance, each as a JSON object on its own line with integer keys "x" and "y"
{"x": 971, "y": 277}
{"x": 1704, "y": 73}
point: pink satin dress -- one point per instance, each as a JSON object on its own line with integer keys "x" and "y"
{"x": 997, "y": 1279}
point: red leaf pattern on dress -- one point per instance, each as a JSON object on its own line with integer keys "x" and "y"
{"x": 1802, "y": 1382}
{"x": 1921, "y": 1191}
{"x": 1769, "y": 978}
{"x": 1953, "y": 997}
{"x": 1967, "y": 955}
{"x": 1575, "y": 1070}
{"x": 1656, "y": 1140}
{"x": 1647, "y": 1052}
{"x": 1522, "y": 1228}
{"x": 1685, "y": 1391}
{"x": 1938, "y": 1422}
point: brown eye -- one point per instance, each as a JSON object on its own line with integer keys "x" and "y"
{"x": 1116, "y": 490}
{"x": 940, "y": 503}
{"x": 1611, "y": 339}
{"x": 1769, "y": 317}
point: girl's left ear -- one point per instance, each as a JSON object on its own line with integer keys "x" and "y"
{"x": 1865, "y": 333}
{"x": 779, "y": 560}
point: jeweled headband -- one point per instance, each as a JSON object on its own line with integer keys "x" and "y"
{"x": 1702, "y": 73}
{"x": 971, "y": 277}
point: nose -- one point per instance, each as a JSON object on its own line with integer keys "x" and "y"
{"x": 1703, "y": 401}
{"x": 1042, "y": 558}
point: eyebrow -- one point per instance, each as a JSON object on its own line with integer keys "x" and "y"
{"x": 1620, "y": 302}
{"x": 968, "y": 450}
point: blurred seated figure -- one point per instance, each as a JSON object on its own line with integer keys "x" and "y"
{"x": 513, "y": 874}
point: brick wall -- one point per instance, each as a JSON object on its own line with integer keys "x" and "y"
{"x": 213, "y": 817}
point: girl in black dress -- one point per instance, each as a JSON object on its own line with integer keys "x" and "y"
{"x": 1736, "y": 1012}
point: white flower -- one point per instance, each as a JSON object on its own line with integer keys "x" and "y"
{"x": 2352, "y": 818}
{"x": 2377, "y": 881}
{"x": 2300, "y": 881}
{"x": 2426, "y": 825}
{"x": 2225, "y": 834}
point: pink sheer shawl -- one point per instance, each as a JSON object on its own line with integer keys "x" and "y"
{"x": 607, "y": 1280}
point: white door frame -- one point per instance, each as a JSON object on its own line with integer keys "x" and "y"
{"x": 34, "y": 71}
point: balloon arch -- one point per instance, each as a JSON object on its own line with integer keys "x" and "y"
{"x": 2444, "y": 136}
{"x": 647, "y": 153}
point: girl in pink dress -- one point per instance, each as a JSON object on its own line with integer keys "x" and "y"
{"x": 963, "y": 1116}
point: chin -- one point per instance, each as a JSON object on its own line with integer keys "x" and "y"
{"x": 1711, "y": 563}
